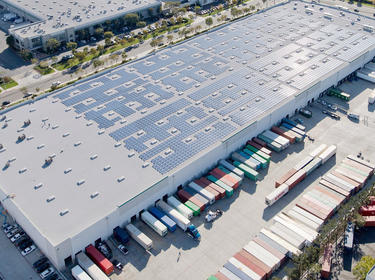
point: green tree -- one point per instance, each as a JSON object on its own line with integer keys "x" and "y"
{"x": 80, "y": 55}
{"x": 363, "y": 267}
{"x": 100, "y": 49}
{"x": 170, "y": 38}
{"x": 71, "y": 45}
{"x": 43, "y": 64}
{"x": 197, "y": 8}
{"x": 209, "y": 21}
{"x": 97, "y": 63}
{"x": 108, "y": 34}
{"x": 131, "y": 19}
{"x": 141, "y": 24}
{"x": 10, "y": 41}
{"x": 99, "y": 32}
{"x": 54, "y": 59}
{"x": 26, "y": 55}
{"x": 34, "y": 60}
{"x": 52, "y": 45}
{"x": 23, "y": 90}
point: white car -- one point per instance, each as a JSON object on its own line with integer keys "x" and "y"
{"x": 55, "y": 84}
{"x": 123, "y": 249}
{"x": 17, "y": 236}
{"x": 28, "y": 250}
{"x": 12, "y": 232}
{"x": 47, "y": 273}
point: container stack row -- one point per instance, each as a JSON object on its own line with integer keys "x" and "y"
{"x": 305, "y": 167}
{"x": 368, "y": 212}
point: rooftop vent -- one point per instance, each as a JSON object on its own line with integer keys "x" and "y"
{"x": 21, "y": 138}
{"x": 95, "y": 194}
{"x": 80, "y": 182}
{"x": 37, "y": 186}
{"x": 48, "y": 161}
{"x": 64, "y": 212}
{"x": 120, "y": 179}
{"x": 107, "y": 167}
{"x": 93, "y": 157}
{"x": 51, "y": 198}
{"x": 23, "y": 170}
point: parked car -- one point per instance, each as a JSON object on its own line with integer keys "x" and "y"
{"x": 40, "y": 262}
{"x": 353, "y": 116}
{"x": 298, "y": 120}
{"x": 28, "y": 250}
{"x": 356, "y": 10}
{"x": 306, "y": 113}
{"x": 123, "y": 249}
{"x": 118, "y": 264}
{"x": 334, "y": 116}
{"x": 25, "y": 244}
{"x": 332, "y": 107}
{"x": 46, "y": 273}
{"x": 5, "y": 103}
{"x": 56, "y": 83}
{"x": 42, "y": 267}
{"x": 53, "y": 276}
{"x": 17, "y": 236}
{"x": 8, "y": 228}
{"x": 12, "y": 232}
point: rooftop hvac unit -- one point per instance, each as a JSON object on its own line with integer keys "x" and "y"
{"x": 48, "y": 160}
{"x": 27, "y": 122}
{"x": 21, "y": 137}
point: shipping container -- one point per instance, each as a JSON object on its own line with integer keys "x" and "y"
{"x": 208, "y": 188}
{"x": 249, "y": 173}
{"x": 230, "y": 173}
{"x": 276, "y": 137}
{"x": 228, "y": 190}
{"x": 221, "y": 276}
{"x": 351, "y": 175}
{"x": 172, "y": 213}
{"x": 185, "y": 196}
{"x": 259, "y": 147}
{"x": 276, "y": 194}
{"x": 312, "y": 209}
{"x": 328, "y": 153}
{"x": 349, "y": 237}
{"x": 350, "y": 181}
{"x": 141, "y": 238}
{"x": 285, "y": 177}
{"x": 303, "y": 220}
{"x": 287, "y": 234}
{"x": 368, "y": 210}
{"x": 297, "y": 136}
{"x": 295, "y": 179}
{"x": 249, "y": 159}
{"x": 361, "y": 161}
{"x": 195, "y": 194}
{"x": 287, "y": 135}
{"x": 294, "y": 129}
{"x": 339, "y": 182}
{"x": 311, "y": 166}
{"x": 236, "y": 271}
{"x": 269, "y": 248}
{"x": 293, "y": 123}
{"x": 308, "y": 215}
{"x": 263, "y": 162}
{"x": 196, "y": 210}
{"x": 317, "y": 151}
{"x": 170, "y": 224}
{"x": 79, "y": 274}
{"x": 227, "y": 179}
{"x": 292, "y": 250}
{"x": 324, "y": 199}
{"x": 154, "y": 223}
{"x": 265, "y": 156}
{"x": 335, "y": 188}
{"x": 232, "y": 168}
{"x": 326, "y": 265}
{"x": 369, "y": 171}
{"x": 253, "y": 259}
{"x": 299, "y": 228}
{"x": 371, "y": 200}
{"x": 273, "y": 145}
{"x": 273, "y": 243}
{"x": 206, "y": 194}
{"x": 355, "y": 170}
{"x": 250, "y": 163}
{"x": 263, "y": 255}
{"x": 334, "y": 195}
{"x": 303, "y": 163}
{"x": 249, "y": 272}
{"x": 369, "y": 221}
{"x": 97, "y": 257}
{"x": 324, "y": 205}
{"x": 120, "y": 235}
{"x": 180, "y": 207}
{"x": 91, "y": 268}
{"x": 212, "y": 277}
{"x": 259, "y": 142}
{"x": 259, "y": 271}
{"x": 204, "y": 181}
{"x": 229, "y": 274}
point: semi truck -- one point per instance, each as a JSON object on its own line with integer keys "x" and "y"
{"x": 120, "y": 235}
{"x": 154, "y": 223}
{"x": 98, "y": 258}
{"x": 170, "y": 224}
{"x": 180, "y": 207}
{"x": 79, "y": 274}
{"x": 141, "y": 238}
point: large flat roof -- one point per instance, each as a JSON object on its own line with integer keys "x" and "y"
{"x": 59, "y": 15}
{"x": 122, "y": 131}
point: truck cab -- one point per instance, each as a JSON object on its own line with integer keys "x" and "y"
{"x": 193, "y": 232}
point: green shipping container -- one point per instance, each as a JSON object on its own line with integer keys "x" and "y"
{"x": 258, "y": 152}
{"x": 249, "y": 173}
{"x": 196, "y": 210}
{"x": 262, "y": 161}
{"x": 228, "y": 190}
{"x": 212, "y": 278}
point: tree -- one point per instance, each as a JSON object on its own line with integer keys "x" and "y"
{"x": 52, "y": 45}
{"x": 99, "y": 32}
{"x": 131, "y": 19}
{"x": 80, "y": 55}
{"x": 43, "y": 64}
{"x": 114, "y": 57}
{"x": 209, "y": 21}
{"x": 108, "y": 34}
{"x": 10, "y": 41}
{"x": 34, "y": 60}
{"x": 124, "y": 56}
{"x": 363, "y": 267}
{"x": 23, "y": 90}
{"x": 71, "y": 45}
{"x": 141, "y": 24}
{"x": 93, "y": 51}
{"x": 100, "y": 49}
{"x": 97, "y": 63}
{"x": 107, "y": 42}
{"x": 197, "y": 9}
{"x": 170, "y": 38}
{"x": 54, "y": 59}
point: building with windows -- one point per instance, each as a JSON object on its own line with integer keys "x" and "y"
{"x": 99, "y": 151}
{"x": 63, "y": 20}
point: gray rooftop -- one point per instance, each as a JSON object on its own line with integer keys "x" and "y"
{"x": 155, "y": 115}
{"x": 59, "y": 15}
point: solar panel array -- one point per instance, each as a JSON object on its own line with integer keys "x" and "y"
{"x": 171, "y": 105}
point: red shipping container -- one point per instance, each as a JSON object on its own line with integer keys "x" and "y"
{"x": 350, "y": 181}
{"x": 285, "y": 177}
{"x": 335, "y": 188}
{"x": 259, "y": 147}
{"x": 295, "y": 179}
{"x": 102, "y": 262}
{"x": 251, "y": 265}
{"x": 326, "y": 265}
{"x": 371, "y": 200}
{"x": 221, "y": 276}
{"x": 369, "y": 221}
{"x": 207, "y": 182}
{"x": 367, "y": 210}
{"x": 305, "y": 206}
{"x": 270, "y": 249}
{"x": 209, "y": 189}
{"x": 339, "y": 198}
{"x": 358, "y": 166}
{"x": 257, "y": 262}
{"x": 283, "y": 133}
{"x": 225, "y": 178}
{"x": 260, "y": 142}
{"x": 185, "y": 196}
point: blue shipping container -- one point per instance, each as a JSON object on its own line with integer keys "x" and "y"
{"x": 168, "y": 222}
{"x": 250, "y": 158}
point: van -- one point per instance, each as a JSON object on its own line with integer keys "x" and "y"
{"x": 353, "y": 116}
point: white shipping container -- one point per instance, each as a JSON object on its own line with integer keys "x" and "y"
{"x": 351, "y": 174}
{"x": 154, "y": 223}
{"x": 317, "y": 151}
{"x": 299, "y": 228}
{"x": 253, "y": 275}
{"x": 303, "y": 163}
{"x": 291, "y": 232}
{"x": 79, "y": 274}
{"x": 139, "y": 236}
{"x": 262, "y": 254}
{"x": 318, "y": 201}
{"x": 206, "y": 194}
{"x": 326, "y": 199}
{"x": 238, "y": 157}
{"x": 91, "y": 269}
{"x": 277, "y": 138}
{"x": 172, "y": 213}
{"x": 279, "y": 230}
{"x": 339, "y": 182}
{"x": 328, "y": 153}
{"x": 302, "y": 219}
{"x": 291, "y": 249}
{"x": 232, "y": 168}
{"x": 180, "y": 207}
{"x": 308, "y": 215}
{"x": 276, "y": 194}
{"x": 230, "y": 275}
{"x": 361, "y": 161}
{"x": 311, "y": 166}
{"x": 298, "y": 223}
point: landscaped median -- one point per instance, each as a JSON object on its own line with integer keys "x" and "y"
{"x": 7, "y": 82}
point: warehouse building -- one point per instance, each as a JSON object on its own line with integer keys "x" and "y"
{"x": 98, "y": 152}
{"x": 63, "y": 19}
